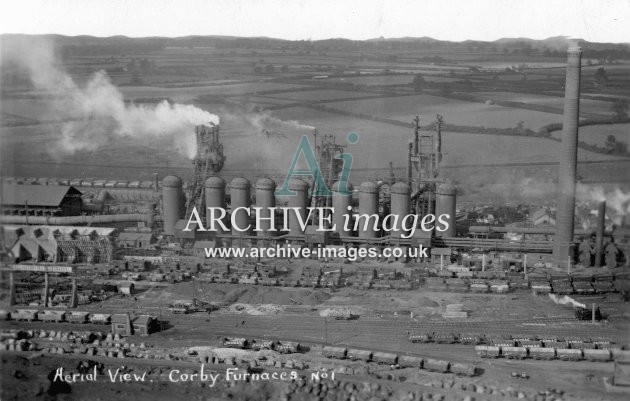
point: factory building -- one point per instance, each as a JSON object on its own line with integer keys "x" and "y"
{"x": 40, "y": 200}
{"x": 56, "y": 244}
{"x": 139, "y": 240}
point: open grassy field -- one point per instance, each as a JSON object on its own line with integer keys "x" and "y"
{"x": 187, "y": 94}
{"x": 254, "y": 89}
{"x": 597, "y": 134}
{"x": 586, "y": 105}
{"x": 376, "y": 80}
{"x": 381, "y": 143}
{"x": 317, "y": 95}
{"x": 456, "y": 112}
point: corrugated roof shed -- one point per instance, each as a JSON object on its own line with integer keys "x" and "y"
{"x": 134, "y": 236}
{"x": 120, "y": 318}
{"x": 143, "y": 319}
{"x": 37, "y": 195}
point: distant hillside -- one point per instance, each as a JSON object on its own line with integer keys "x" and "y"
{"x": 550, "y": 47}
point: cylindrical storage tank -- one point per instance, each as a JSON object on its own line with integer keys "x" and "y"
{"x": 240, "y": 197}
{"x": 445, "y": 201}
{"x": 215, "y": 197}
{"x": 368, "y": 206}
{"x": 340, "y": 203}
{"x": 265, "y": 198}
{"x": 299, "y": 202}
{"x": 567, "y": 170}
{"x": 399, "y": 205}
{"x": 172, "y": 202}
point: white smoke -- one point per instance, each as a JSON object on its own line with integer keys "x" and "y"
{"x": 617, "y": 201}
{"x": 95, "y": 113}
{"x": 271, "y": 126}
{"x": 566, "y": 300}
{"x": 261, "y": 140}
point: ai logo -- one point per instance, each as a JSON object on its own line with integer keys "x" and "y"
{"x": 304, "y": 148}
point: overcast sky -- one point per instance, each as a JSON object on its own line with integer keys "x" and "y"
{"x": 592, "y": 20}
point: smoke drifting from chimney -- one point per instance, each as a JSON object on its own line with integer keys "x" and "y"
{"x": 617, "y": 201}
{"x": 95, "y": 113}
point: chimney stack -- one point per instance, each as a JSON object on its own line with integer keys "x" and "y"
{"x": 599, "y": 239}
{"x": 563, "y": 241}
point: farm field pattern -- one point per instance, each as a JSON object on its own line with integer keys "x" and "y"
{"x": 371, "y": 98}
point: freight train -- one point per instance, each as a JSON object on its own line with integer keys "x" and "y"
{"x": 53, "y": 315}
{"x": 524, "y": 341}
{"x": 544, "y": 353}
{"x": 402, "y": 361}
{"x": 282, "y": 347}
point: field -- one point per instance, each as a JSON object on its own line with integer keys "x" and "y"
{"x": 316, "y": 95}
{"x": 597, "y": 134}
{"x": 586, "y": 105}
{"x": 268, "y": 97}
{"x": 456, "y": 112}
{"x": 187, "y": 94}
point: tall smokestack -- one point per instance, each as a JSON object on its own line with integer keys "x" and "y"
{"x": 563, "y": 241}
{"x": 599, "y": 234}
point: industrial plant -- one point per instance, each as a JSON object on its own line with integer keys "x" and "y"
{"x": 407, "y": 291}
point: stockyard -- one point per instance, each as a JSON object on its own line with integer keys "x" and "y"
{"x": 109, "y": 144}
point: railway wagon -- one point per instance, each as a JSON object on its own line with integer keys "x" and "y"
{"x": 503, "y": 342}
{"x": 444, "y": 338}
{"x": 359, "y": 355}
{"x": 579, "y": 345}
{"x": 248, "y": 280}
{"x": 385, "y": 358}
{"x": 470, "y": 339}
{"x": 25, "y": 314}
{"x": 605, "y": 345}
{"x": 235, "y": 342}
{"x": 288, "y": 347}
{"x": 52, "y": 316}
{"x": 436, "y": 365}
{"x": 463, "y": 369}
{"x": 100, "y": 318}
{"x": 514, "y": 352}
{"x": 598, "y": 355}
{"x": 530, "y": 343}
{"x": 406, "y": 361}
{"x": 420, "y": 338}
{"x": 479, "y": 287}
{"x": 488, "y": 351}
{"x": 77, "y": 317}
{"x": 258, "y": 345}
{"x": 556, "y": 344}
{"x": 570, "y": 354}
{"x": 542, "y": 353}
{"x": 335, "y": 352}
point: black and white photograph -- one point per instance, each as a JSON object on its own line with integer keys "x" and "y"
{"x": 302, "y": 200}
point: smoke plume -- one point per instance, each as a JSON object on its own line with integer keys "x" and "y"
{"x": 274, "y": 127}
{"x": 566, "y": 300}
{"x": 257, "y": 139}
{"x": 617, "y": 201}
{"x": 95, "y": 113}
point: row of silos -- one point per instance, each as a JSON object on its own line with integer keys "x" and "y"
{"x": 342, "y": 202}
